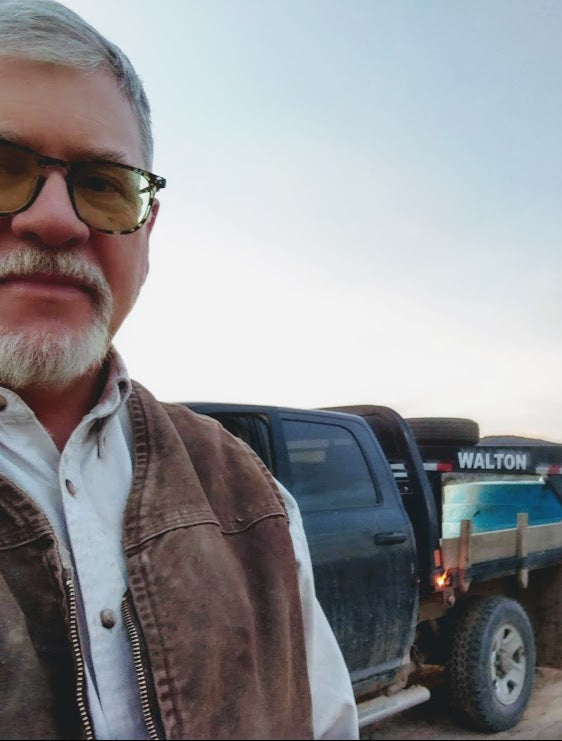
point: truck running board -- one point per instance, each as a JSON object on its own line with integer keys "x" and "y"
{"x": 384, "y": 706}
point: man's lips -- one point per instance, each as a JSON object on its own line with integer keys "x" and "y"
{"x": 49, "y": 283}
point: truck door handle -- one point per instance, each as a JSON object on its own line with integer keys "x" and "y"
{"x": 390, "y": 538}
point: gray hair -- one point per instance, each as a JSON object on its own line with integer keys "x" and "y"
{"x": 47, "y": 31}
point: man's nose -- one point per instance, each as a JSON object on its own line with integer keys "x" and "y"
{"x": 51, "y": 221}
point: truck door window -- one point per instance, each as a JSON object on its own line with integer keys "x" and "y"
{"x": 253, "y": 429}
{"x": 328, "y": 469}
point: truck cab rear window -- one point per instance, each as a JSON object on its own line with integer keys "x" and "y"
{"x": 328, "y": 469}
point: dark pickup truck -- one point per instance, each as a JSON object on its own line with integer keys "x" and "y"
{"x": 428, "y": 548}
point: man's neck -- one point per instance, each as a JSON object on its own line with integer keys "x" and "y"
{"x": 60, "y": 409}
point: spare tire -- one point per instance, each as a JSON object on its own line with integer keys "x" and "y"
{"x": 444, "y": 430}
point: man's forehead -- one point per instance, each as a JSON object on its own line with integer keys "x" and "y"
{"x": 67, "y": 113}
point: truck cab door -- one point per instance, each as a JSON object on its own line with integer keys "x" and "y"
{"x": 360, "y": 539}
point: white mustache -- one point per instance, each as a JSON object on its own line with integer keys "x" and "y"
{"x": 30, "y": 260}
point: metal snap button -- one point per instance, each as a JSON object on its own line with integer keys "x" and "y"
{"x": 107, "y": 618}
{"x": 71, "y": 489}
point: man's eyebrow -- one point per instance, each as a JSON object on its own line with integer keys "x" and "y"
{"x": 81, "y": 154}
{"x": 87, "y": 155}
{"x": 11, "y": 136}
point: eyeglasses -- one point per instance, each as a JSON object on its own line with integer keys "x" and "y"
{"x": 107, "y": 196}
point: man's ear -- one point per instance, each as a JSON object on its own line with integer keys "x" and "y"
{"x": 149, "y": 225}
{"x": 153, "y": 214}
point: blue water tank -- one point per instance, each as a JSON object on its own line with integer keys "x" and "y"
{"x": 494, "y": 505}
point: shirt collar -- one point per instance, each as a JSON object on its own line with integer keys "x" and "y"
{"x": 117, "y": 387}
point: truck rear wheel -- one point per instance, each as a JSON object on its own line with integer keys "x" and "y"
{"x": 492, "y": 664}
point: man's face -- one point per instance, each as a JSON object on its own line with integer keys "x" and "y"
{"x": 70, "y": 115}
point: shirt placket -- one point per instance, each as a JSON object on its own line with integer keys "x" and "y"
{"x": 97, "y": 559}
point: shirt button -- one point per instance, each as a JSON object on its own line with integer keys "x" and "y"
{"x": 3, "y": 403}
{"x": 71, "y": 489}
{"x": 107, "y": 618}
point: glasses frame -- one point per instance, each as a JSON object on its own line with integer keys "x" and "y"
{"x": 156, "y": 183}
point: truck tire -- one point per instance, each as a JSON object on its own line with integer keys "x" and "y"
{"x": 444, "y": 430}
{"x": 492, "y": 664}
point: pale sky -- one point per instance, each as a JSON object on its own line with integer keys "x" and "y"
{"x": 363, "y": 204}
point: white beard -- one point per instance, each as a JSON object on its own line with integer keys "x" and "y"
{"x": 54, "y": 359}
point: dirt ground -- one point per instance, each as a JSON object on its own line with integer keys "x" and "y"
{"x": 431, "y": 720}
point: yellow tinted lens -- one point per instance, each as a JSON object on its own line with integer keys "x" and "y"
{"x": 18, "y": 177}
{"x": 110, "y": 197}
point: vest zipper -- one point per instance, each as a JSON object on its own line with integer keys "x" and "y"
{"x": 78, "y": 661}
{"x": 136, "y": 647}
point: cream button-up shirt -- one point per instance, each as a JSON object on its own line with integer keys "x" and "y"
{"x": 83, "y": 492}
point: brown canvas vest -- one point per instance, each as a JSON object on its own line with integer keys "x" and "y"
{"x": 213, "y": 612}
